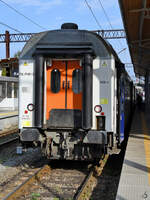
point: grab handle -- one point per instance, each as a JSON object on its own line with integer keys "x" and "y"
{"x": 63, "y": 85}
{"x": 68, "y": 84}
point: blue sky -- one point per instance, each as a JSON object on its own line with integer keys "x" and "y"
{"x": 50, "y": 14}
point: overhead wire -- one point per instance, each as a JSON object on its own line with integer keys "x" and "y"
{"x": 18, "y": 12}
{"x": 93, "y": 14}
{"x": 109, "y": 22}
{"x": 14, "y": 29}
{"x": 105, "y": 14}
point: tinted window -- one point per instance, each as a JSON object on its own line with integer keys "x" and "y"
{"x": 77, "y": 81}
{"x": 15, "y": 90}
{"x": 55, "y": 80}
{"x": 2, "y": 89}
{"x": 9, "y": 90}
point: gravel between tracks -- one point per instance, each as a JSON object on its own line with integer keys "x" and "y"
{"x": 104, "y": 187}
{"x": 63, "y": 187}
{"x": 11, "y": 164}
{"x": 62, "y": 183}
{"x": 107, "y": 184}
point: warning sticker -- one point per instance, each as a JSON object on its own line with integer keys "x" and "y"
{"x": 104, "y": 64}
{"x": 25, "y": 63}
{"x": 26, "y": 124}
{"x": 103, "y": 101}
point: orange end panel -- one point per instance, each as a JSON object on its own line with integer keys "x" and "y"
{"x": 74, "y": 101}
{"x": 55, "y": 100}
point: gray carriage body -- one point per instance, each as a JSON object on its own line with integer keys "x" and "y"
{"x": 100, "y": 89}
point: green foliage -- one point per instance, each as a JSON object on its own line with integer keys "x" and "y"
{"x": 35, "y": 196}
{"x": 4, "y": 72}
{"x": 17, "y": 54}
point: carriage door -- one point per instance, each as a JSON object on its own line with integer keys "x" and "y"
{"x": 122, "y": 101}
{"x": 64, "y": 91}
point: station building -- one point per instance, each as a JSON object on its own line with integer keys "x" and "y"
{"x": 9, "y": 84}
{"x": 9, "y": 67}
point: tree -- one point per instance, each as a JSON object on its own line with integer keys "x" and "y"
{"x": 17, "y": 54}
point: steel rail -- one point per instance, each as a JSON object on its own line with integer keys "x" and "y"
{"x": 21, "y": 188}
{"x": 10, "y": 116}
{"x": 12, "y": 140}
{"x": 81, "y": 193}
{"x": 95, "y": 171}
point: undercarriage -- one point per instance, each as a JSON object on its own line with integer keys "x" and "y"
{"x": 70, "y": 145}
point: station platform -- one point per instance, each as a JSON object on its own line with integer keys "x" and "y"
{"x": 135, "y": 176}
{"x": 8, "y": 113}
{"x": 8, "y": 120}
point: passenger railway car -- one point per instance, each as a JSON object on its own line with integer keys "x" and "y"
{"x": 75, "y": 96}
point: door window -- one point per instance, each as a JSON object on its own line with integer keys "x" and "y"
{"x": 77, "y": 81}
{"x": 55, "y": 80}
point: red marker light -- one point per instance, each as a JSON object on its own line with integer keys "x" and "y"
{"x": 102, "y": 113}
{"x": 25, "y": 112}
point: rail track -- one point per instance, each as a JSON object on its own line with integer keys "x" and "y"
{"x": 23, "y": 183}
{"x": 7, "y": 116}
{"x": 8, "y": 136}
{"x": 83, "y": 192}
{"x": 8, "y": 142}
{"x": 53, "y": 182}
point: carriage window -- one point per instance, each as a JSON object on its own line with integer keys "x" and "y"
{"x": 77, "y": 81}
{"x": 9, "y": 90}
{"x": 15, "y": 90}
{"x": 2, "y": 89}
{"x": 55, "y": 80}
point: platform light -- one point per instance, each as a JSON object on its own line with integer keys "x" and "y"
{"x": 98, "y": 108}
{"x": 30, "y": 107}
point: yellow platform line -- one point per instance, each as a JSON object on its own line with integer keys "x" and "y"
{"x": 146, "y": 144}
{"x": 9, "y": 113}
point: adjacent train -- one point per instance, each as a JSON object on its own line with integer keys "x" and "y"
{"x": 75, "y": 97}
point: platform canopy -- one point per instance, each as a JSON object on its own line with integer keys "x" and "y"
{"x": 136, "y": 18}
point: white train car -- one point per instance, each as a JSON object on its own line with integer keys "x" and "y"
{"x": 73, "y": 91}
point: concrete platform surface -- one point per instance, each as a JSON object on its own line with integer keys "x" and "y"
{"x": 135, "y": 176}
{"x": 8, "y": 119}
